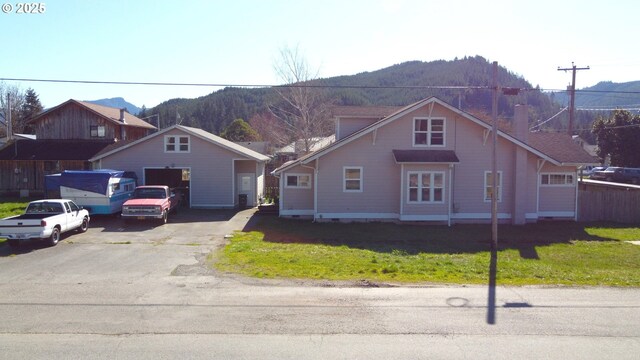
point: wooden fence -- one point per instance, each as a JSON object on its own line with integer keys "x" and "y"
{"x": 610, "y": 205}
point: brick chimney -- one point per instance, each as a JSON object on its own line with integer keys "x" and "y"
{"x": 521, "y": 122}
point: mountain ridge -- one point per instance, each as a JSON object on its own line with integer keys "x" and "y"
{"x": 117, "y": 102}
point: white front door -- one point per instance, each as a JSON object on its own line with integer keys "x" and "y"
{"x": 246, "y": 186}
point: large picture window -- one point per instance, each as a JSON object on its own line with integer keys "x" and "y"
{"x": 556, "y": 179}
{"x": 488, "y": 186}
{"x": 426, "y": 187}
{"x": 298, "y": 181}
{"x": 428, "y": 132}
{"x": 352, "y": 179}
{"x": 177, "y": 144}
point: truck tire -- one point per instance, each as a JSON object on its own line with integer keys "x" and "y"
{"x": 165, "y": 217}
{"x": 55, "y": 237}
{"x": 84, "y": 226}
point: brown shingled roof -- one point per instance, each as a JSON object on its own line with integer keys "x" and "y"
{"x": 560, "y": 147}
{"x": 114, "y": 114}
{"x": 109, "y": 113}
{"x": 425, "y": 156}
{"x": 364, "y": 111}
{"x": 52, "y": 149}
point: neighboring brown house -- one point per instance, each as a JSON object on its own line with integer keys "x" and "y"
{"x": 67, "y": 136}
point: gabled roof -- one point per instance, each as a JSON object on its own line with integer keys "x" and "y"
{"x": 377, "y": 112}
{"x": 204, "y": 135}
{"x": 52, "y": 149}
{"x": 558, "y": 151}
{"x": 106, "y": 112}
{"x": 317, "y": 143}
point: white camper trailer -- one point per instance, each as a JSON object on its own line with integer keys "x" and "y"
{"x": 99, "y": 191}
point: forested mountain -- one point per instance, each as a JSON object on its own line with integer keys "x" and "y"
{"x": 605, "y": 94}
{"x": 399, "y": 84}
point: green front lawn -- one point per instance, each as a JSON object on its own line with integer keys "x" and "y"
{"x": 549, "y": 253}
{"x": 12, "y": 206}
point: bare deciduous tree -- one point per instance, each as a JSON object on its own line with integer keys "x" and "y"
{"x": 16, "y": 96}
{"x": 302, "y": 109}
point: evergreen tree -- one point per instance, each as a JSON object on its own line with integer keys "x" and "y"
{"x": 240, "y": 130}
{"x": 30, "y": 108}
{"x": 617, "y": 138}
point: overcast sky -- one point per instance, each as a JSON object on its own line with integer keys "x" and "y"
{"x": 237, "y": 41}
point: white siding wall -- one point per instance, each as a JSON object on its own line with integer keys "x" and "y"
{"x": 212, "y": 175}
{"x": 296, "y": 201}
{"x": 557, "y": 199}
{"x": 347, "y": 126}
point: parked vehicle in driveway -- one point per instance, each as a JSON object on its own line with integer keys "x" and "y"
{"x": 618, "y": 174}
{"x": 151, "y": 202}
{"x": 589, "y": 170}
{"x": 44, "y": 219}
{"x": 99, "y": 191}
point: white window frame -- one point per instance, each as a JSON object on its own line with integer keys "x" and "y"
{"x": 177, "y": 144}
{"x": 100, "y": 131}
{"x": 344, "y": 178}
{"x": 432, "y": 187}
{"x": 564, "y": 182}
{"x": 297, "y": 176}
{"x": 429, "y": 132}
{"x": 485, "y": 193}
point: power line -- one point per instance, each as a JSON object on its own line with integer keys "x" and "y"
{"x": 441, "y": 87}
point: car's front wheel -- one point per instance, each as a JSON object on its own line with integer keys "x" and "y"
{"x": 165, "y": 217}
{"x": 84, "y": 226}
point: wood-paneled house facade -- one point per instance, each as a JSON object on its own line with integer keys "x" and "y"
{"x": 67, "y": 136}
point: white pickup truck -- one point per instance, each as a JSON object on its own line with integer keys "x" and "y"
{"x": 44, "y": 219}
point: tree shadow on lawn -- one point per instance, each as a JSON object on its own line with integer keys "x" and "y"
{"x": 415, "y": 239}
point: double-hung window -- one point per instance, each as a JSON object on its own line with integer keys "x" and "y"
{"x": 428, "y": 132}
{"x": 352, "y": 179}
{"x": 298, "y": 181}
{"x": 426, "y": 187}
{"x": 556, "y": 179}
{"x": 176, "y": 143}
{"x": 97, "y": 131}
{"x": 488, "y": 186}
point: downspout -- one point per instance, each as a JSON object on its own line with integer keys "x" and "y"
{"x": 401, "y": 191}
{"x": 575, "y": 212}
{"x": 280, "y": 193}
{"x": 538, "y": 181}
{"x": 450, "y": 193}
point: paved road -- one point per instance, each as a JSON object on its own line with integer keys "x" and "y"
{"x": 144, "y": 294}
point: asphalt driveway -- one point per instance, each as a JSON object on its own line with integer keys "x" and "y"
{"x": 126, "y": 251}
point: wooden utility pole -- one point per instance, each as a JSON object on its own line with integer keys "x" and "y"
{"x": 494, "y": 160}
{"x": 572, "y": 91}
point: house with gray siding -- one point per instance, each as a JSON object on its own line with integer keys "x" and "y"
{"x": 430, "y": 161}
{"x": 209, "y": 171}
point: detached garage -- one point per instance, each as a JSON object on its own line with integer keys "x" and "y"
{"x": 209, "y": 171}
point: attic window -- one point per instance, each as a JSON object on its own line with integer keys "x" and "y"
{"x": 97, "y": 131}
{"x": 175, "y": 144}
{"x": 428, "y": 132}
